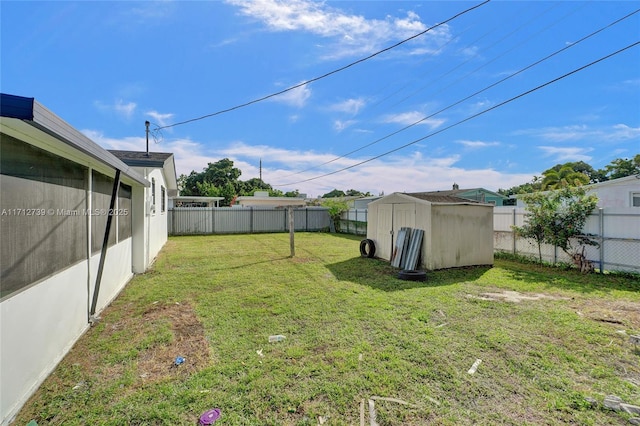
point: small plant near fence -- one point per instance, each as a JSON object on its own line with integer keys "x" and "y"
{"x": 558, "y": 218}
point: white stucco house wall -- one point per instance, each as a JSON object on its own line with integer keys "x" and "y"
{"x": 59, "y": 267}
{"x": 159, "y": 169}
{"x": 621, "y": 192}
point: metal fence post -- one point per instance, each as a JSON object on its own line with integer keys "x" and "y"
{"x": 513, "y": 231}
{"x": 601, "y": 232}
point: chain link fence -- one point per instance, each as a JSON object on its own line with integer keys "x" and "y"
{"x": 616, "y": 230}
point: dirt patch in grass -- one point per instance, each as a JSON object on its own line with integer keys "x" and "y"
{"x": 622, "y": 314}
{"x": 514, "y": 296}
{"x": 189, "y": 342}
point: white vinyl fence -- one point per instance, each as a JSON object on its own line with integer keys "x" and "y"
{"x": 245, "y": 220}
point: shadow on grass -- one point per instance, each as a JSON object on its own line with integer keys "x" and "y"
{"x": 569, "y": 278}
{"x": 380, "y": 275}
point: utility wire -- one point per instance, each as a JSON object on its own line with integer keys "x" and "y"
{"x": 473, "y": 94}
{"x": 468, "y": 118}
{"x": 326, "y": 74}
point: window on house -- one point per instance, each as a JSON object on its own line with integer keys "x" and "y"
{"x": 153, "y": 193}
{"x": 635, "y": 199}
{"x": 43, "y": 226}
{"x": 162, "y": 201}
{"x": 102, "y": 187}
{"x": 124, "y": 212}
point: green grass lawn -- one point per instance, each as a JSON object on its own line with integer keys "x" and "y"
{"x": 352, "y": 331}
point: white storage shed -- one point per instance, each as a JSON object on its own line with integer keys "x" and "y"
{"x": 457, "y": 232}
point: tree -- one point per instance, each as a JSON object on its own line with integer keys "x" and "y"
{"x": 566, "y": 176}
{"x": 336, "y": 208}
{"x": 334, "y": 194}
{"x": 622, "y": 167}
{"x": 557, "y": 218}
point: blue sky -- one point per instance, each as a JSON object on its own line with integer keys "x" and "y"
{"x": 106, "y": 67}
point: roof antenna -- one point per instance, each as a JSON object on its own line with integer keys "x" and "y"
{"x": 146, "y": 123}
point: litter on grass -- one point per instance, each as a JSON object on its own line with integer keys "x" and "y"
{"x": 179, "y": 360}
{"x": 276, "y": 338}
{"x": 209, "y": 417}
{"x": 474, "y": 367}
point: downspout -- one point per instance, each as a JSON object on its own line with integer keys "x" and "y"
{"x": 105, "y": 245}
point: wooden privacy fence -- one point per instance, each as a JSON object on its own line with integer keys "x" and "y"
{"x": 244, "y": 220}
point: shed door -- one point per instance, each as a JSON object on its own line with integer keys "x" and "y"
{"x": 385, "y": 233}
{"x": 392, "y": 217}
{"x": 403, "y": 215}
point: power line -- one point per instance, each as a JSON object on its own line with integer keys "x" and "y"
{"x": 468, "y": 118}
{"x": 326, "y": 74}
{"x": 475, "y": 93}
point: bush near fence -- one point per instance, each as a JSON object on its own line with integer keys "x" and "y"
{"x": 616, "y": 230}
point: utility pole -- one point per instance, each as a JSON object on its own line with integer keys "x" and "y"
{"x": 146, "y": 123}
{"x": 261, "y": 170}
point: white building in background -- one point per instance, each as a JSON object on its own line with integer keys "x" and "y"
{"x": 59, "y": 267}
{"x": 621, "y": 192}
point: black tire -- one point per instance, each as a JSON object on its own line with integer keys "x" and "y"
{"x": 412, "y": 275}
{"x": 367, "y": 248}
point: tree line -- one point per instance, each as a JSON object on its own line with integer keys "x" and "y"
{"x": 576, "y": 174}
{"x": 222, "y": 179}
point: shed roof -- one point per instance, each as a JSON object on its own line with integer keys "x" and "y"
{"x": 29, "y": 113}
{"x": 435, "y": 197}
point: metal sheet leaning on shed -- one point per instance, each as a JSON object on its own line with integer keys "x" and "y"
{"x": 412, "y": 254}
{"x": 401, "y": 245}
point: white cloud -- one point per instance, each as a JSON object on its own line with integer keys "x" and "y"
{"x": 296, "y": 97}
{"x": 125, "y": 109}
{"x": 582, "y": 132}
{"x": 476, "y": 144}
{"x": 410, "y": 172}
{"x": 340, "y": 125}
{"x": 413, "y": 117}
{"x": 353, "y": 34}
{"x": 119, "y": 107}
{"x": 349, "y": 106}
{"x": 160, "y": 119}
{"x": 620, "y": 132}
{"x": 566, "y": 154}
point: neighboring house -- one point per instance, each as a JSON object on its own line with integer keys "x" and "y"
{"x": 362, "y": 203}
{"x": 160, "y": 170}
{"x": 480, "y": 195}
{"x": 457, "y": 232}
{"x": 59, "y": 268}
{"x": 621, "y": 192}
{"x": 262, "y": 199}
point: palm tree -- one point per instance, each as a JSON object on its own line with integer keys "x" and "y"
{"x": 565, "y": 177}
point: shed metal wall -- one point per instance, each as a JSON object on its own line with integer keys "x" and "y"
{"x": 454, "y": 234}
